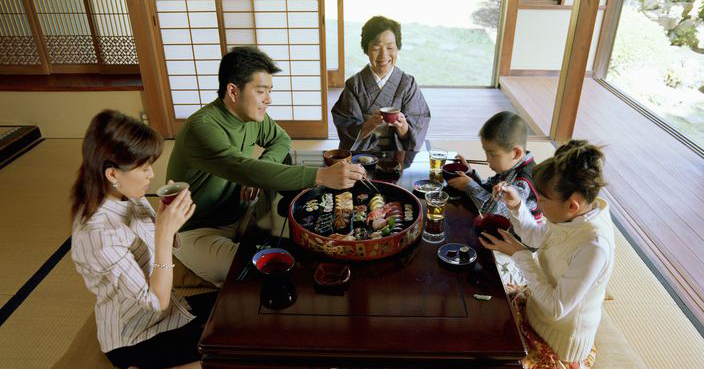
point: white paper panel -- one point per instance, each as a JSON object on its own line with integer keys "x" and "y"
{"x": 208, "y": 96}
{"x": 201, "y": 5}
{"x": 200, "y": 20}
{"x": 306, "y": 19}
{"x": 270, "y": 20}
{"x": 238, "y": 20}
{"x": 298, "y": 5}
{"x": 205, "y": 36}
{"x": 310, "y": 68}
{"x": 240, "y": 36}
{"x": 178, "y": 52}
{"x": 207, "y": 52}
{"x": 307, "y": 98}
{"x": 236, "y": 5}
{"x": 281, "y": 98}
{"x": 277, "y": 52}
{"x": 175, "y": 36}
{"x": 173, "y": 20}
{"x": 280, "y": 112}
{"x": 307, "y": 113}
{"x": 304, "y": 36}
{"x": 207, "y": 66}
{"x": 272, "y": 36}
{"x": 170, "y": 5}
{"x": 208, "y": 82}
{"x": 185, "y": 111}
{"x": 305, "y": 52}
{"x": 185, "y": 97}
{"x": 285, "y": 67}
{"x": 269, "y": 5}
{"x": 305, "y": 83}
{"x": 183, "y": 82}
{"x": 281, "y": 83}
{"x": 180, "y": 67}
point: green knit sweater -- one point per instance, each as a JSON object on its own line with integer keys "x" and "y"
{"x": 213, "y": 153}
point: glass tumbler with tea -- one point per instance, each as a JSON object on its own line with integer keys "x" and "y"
{"x": 436, "y": 201}
{"x": 437, "y": 160}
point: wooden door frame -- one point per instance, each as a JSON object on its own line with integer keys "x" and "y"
{"x": 336, "y": 77}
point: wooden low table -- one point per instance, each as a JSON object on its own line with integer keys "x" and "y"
{"x": 405, "y": 311}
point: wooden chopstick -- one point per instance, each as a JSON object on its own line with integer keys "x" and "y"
{"x": 473, "y": 161}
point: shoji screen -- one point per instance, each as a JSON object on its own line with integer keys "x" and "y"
{"x": 18, "y": 46}
{"x": 195, "y": 33}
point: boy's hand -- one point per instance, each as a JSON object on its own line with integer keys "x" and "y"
{"x": 460, "y": 182}
{"x": 507, "y": 194}
{"x": 462, "y": 160}
{"x": 507, "y": 244}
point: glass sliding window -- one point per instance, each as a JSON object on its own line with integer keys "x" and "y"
{"x": 658, "y": 60}
{"x": 444, "y": 43}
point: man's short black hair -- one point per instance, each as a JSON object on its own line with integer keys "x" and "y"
{"x": 377, "y": 25}
{"x": 506, "y": 129}
{"x": 239, "y": 64}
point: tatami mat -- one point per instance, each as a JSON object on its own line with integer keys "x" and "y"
{"x": 4, "y": 298}
{"x": 34, "y": 217}
{"x": 40, "y": 330}
{"x": 648, "y": 317}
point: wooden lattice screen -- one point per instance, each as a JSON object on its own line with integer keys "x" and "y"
{"x": 66, "y": 36}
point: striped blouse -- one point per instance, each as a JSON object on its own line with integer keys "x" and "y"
{"x": 114, "y": 252}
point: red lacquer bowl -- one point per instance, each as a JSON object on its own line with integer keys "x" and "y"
{"x": 370, "y": 249}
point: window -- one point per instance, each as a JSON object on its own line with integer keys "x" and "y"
{"x": 66, "y": 36}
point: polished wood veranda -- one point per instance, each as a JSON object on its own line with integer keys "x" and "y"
{"x": 655, "y": 181}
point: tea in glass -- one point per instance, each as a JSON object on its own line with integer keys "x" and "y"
{"x": 435, "y": 201}
{"x": 437, "y": 160}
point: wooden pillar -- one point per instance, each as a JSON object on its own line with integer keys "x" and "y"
{"x": 574, "y": 65}
{"x": 607, "y": 37}
{"x": 507, "y": 37}
{"x": 156, "y": 100}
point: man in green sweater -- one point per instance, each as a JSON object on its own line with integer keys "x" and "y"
{"x": 213, "y": 153}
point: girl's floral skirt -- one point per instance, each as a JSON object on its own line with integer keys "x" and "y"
{"x": 540, "y": 355}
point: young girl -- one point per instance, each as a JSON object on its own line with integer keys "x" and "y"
{"x": 560, "y": 308}
{"x": 123, "y": 250}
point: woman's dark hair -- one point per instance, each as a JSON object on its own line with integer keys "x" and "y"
{"x": 377, "y": 25}
{"x": 113, "y": 140}
{"x": 576, "y": 167}
{"x": 239, "y": 64}
{"x": 506, "y": 129}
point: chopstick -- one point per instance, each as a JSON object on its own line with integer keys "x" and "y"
{"x": 368, "y": 183}
{"x": 495, "y": 199}
{"x": 473, "y": 161}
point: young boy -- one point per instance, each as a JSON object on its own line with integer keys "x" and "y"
{"x": 503, "y": 139}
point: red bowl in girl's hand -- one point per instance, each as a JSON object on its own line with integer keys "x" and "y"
{"x": 491, "y": 223}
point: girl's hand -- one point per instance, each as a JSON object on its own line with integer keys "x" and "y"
{"x": 170, "y": 218}
{"x": 507, "y": 244}
{"x": 401, "y": 125}
{"x": 507, "y": 194}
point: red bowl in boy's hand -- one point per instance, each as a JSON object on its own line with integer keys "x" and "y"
{"x": 450, "y": 170}
{"x": 491, "y": 223}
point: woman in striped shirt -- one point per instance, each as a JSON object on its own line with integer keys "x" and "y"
{"x": 123, "y": 249}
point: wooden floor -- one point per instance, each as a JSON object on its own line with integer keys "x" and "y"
{"x": 655, "y": 182}
{"x": 457, "y": 113}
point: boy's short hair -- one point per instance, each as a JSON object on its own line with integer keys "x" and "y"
{"x": 239, "y": 64}
{"x": 506, "y": 129}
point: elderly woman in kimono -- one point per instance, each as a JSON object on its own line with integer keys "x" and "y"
{"x": 357, "y": 115}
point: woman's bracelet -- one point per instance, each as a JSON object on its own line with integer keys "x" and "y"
{"x": 164, "y": 266}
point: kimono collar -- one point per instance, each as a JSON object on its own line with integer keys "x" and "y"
{"x": 370, "y": 83}
{"x": 382, "y": 81}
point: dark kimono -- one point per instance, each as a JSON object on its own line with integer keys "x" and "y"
{"x": 362, "y": 97}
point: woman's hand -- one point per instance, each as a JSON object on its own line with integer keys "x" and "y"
{"x": 170, "y": 218}
{"x": 370, "y": 125}
{"x": 507, "y": 244}
{"x": 401, "y": 125}
{"x": 507, "y": 194}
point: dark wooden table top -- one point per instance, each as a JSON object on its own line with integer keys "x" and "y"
{"x": 405, "y": 311}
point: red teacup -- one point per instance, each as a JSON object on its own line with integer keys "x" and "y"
{"x": 491, "y": 223}
{"x": 390, "y": 114}
{"x": 169, "y": 192}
